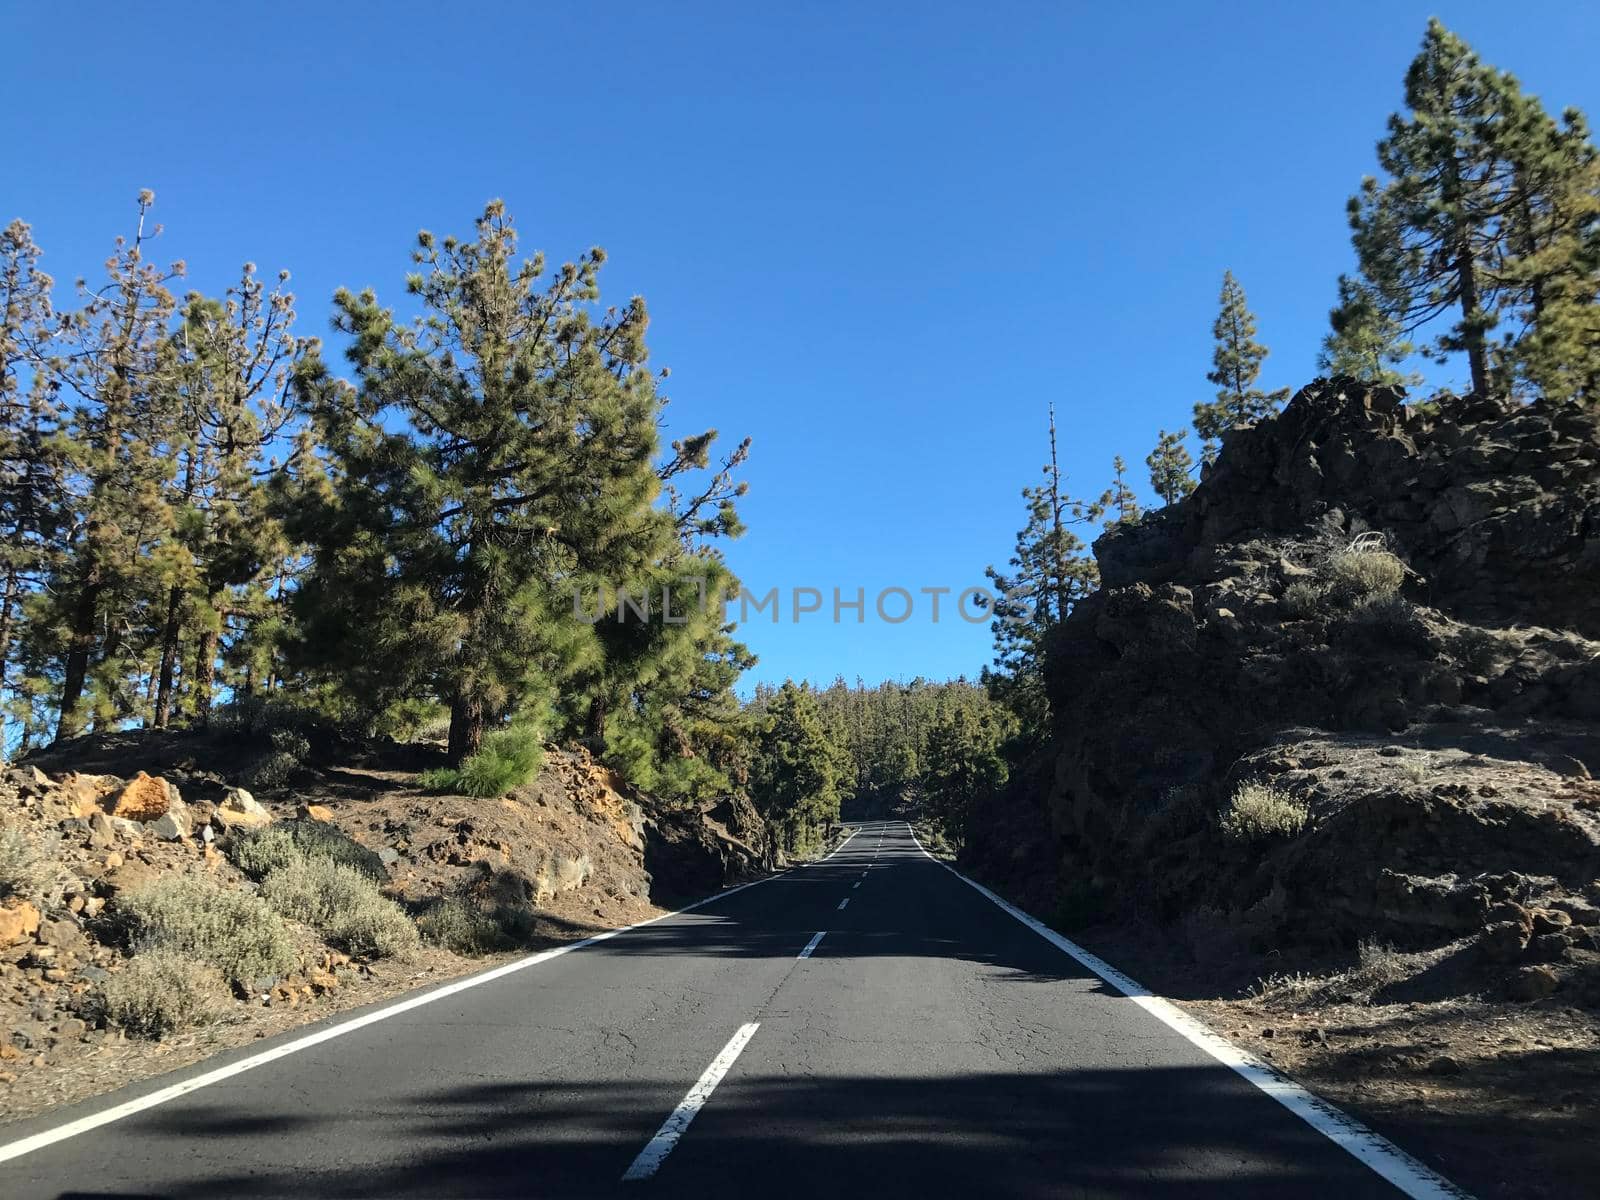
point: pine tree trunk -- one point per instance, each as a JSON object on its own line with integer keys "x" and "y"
{"x": 466, "y": 726}
{"x": 79, "y": 646}
{"x": 1477, "y": 353}
{"x": 596, "y": 725}
{"x": 205, "y": 671}
{"x": 169, "y": 659}
{"x": 8, "y": 607}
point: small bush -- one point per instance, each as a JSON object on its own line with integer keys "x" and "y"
{"x": 414, "y": 721}
{"x": 1377, "y": 967}
{"x": 461, "y": 927}
{"x": 1259, "y": 812}
{"x": 1355, "y": 575}
{"x": 232, "y": 931}
{"x": 159, "y": 991}
{"x": 1303, "y": 599}
{"x": 343, "y": 905}
{"x": 1391, "y": 619}
{"x": 259, "y": 852}
{"x": 507, "y": 759}
{"x": 1179, "y": 812}
{"x": 27, "y": 864}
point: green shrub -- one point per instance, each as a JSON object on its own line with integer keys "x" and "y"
{"x": 231, "y": 930}
{"x": 259, "y": 852}
{"x": 508, "y": 758}
{"x": 27, "y": 863}
{"x": 1354, "y": 575}
{"x": 414, "y": 720}
{"x": 159, "y": 991}
{"x": 1259, "y": 812}
{"x": 343, "y": 905}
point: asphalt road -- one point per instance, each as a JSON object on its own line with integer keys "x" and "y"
{"x": 929, "y": 1045}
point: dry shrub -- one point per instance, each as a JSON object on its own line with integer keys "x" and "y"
{"x": 343, "y": 905}
{"x": 1260, "y": 812}
{"x": 1354, "y": 575}
{"x": 231, "y": 930}
{"x": 160, "y": 991}
{"x": 27, "y": 863}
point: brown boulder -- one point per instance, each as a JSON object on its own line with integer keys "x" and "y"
{"x": 143, "y": 798}
{"x": 240, "y": 810}
{"x": 19, "y": 920}
{"x": 315, "y": 812}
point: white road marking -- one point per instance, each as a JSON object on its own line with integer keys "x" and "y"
{"x": 117, "y": 1112}
{"x": 658, "y": 1147}
{"x": 810, "y": 946}
{"x": 855, "y": 885}
{"x": 1412, "y": 1177}
{"x": 843, "y": 902}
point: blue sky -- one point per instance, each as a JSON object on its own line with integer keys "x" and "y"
{"x": 878, "y": 238}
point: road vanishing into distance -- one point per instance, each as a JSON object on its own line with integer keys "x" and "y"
{"x": 872, "y": 1024}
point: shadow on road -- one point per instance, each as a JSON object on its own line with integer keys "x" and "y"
{"x": 1155, "y": 1132}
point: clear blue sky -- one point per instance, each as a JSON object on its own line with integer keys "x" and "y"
{"x": 877, "y": 238}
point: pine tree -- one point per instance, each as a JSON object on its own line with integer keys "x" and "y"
{"x": 964, "y": 767}
{"x": 795, "y": 775}
{"x": 235, "y": 359}
{"x": 117, "y": 362}
{"x": 1170, "y": 465}
{"x": 1119, "y": 499}
{"x": 31, "y": 460}
{"x": 1365, "y": 342}
{"x": 1236, "y": 364}
{"x": 1552, "y": 272}
{"x": 1431, "y": 238}
{"x": 1049, "y": 573}
{"x": 490, "y": 459}
{"x": 1490, "y": 213}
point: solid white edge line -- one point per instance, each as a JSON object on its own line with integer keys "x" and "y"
{"x": 1412, "y": 1177}
{"x": 657, "y": 1148}
{"x": 128, "y": 1108}
{"x": 811, "y": 945}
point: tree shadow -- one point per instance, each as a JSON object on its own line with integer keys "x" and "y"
{"x": 1186, "y": 1132}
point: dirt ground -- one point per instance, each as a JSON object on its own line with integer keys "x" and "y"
{"x": 1501, "y": 1098}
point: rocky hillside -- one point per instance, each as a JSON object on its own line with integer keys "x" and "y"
{"x": 1346, "y": 689}
{"x": 113, "y": 847}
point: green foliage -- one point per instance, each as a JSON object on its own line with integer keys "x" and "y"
{"x": 508, "y": 758}
{"x": 795, "y": 776}
{"x": 1170, "y": 467}
{"x": 1488, "y": 216}
{"x": 1304, "y": 599}
{"x": 963, "y": 767}
{"x": 1259, "y": 812}
{"x": 159, "y": 991}
{"x": 343, "y": 905}
{"x": 1235, "y": 367}
{"x": 233, "y": 931}
{"x": 1366, "y": 342}
{"x": 1050, "y": 571}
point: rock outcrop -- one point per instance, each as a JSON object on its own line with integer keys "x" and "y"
{"x": 1437, "y": 735}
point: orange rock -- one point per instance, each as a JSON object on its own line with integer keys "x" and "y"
{"x": 316, "y": 812}
{"x": 18, "y": 921}
{"x": 145, "y": 798}
{"x": 113, "y": 860}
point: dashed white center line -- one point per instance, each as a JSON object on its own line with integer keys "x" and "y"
{"x": 810, "y": 946}
{"x": 657, "y": 1149}
{"x": 855, "y": 885}
{"x": 845, "y": 901}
